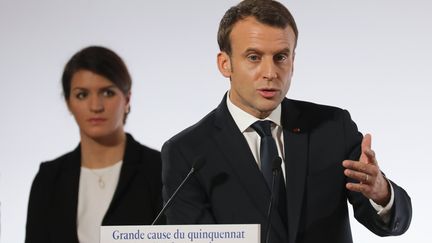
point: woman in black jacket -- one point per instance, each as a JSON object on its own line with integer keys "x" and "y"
{"x": 109, "y": 179}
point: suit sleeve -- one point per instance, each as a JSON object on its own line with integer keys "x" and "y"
{"x": 363, "y": 211}
{"x": 38, "y": 206}
{"x": 191, "y": 206}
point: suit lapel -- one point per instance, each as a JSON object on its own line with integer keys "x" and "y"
{"x": 235, "y": 148}
{"x": 296, "y": 145}
{"x": 127, "y": 173}
{"x": 65, "y": 204}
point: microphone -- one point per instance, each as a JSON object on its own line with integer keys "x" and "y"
{"x": 275, "y": 171}
{"x": 196, "y": 166}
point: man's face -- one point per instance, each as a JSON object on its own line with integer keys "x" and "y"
{"x": 260, "y": 66}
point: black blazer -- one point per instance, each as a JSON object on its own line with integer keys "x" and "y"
{"x": 231, "y": 189}
{"x": 53, "y": 203}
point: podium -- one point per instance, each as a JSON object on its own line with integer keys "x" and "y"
{"x": 214, "y": 233}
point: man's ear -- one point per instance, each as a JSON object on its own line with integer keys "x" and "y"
{"x": 292, "y": 69}
{"x": 224, "y": 64}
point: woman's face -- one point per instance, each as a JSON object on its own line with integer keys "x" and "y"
{"x": 98, "y": 105}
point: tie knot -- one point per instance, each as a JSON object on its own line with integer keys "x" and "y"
{"x": 263, "y": 128}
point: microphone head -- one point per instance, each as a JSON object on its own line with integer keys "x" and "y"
{"x": 276, "y": 163}
{"x": 198, "y": 164}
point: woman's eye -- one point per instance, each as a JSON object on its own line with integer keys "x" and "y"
{"x": 81, "y": 95}
{"x": 108, "y": 93}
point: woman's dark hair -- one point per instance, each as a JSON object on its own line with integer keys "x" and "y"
{"x": 268, "y": 12}
{"x": 99, "y": 60}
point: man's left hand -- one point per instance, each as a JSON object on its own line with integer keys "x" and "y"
{"x": 372, "y": 183}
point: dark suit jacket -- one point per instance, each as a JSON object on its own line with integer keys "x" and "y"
{"x": 52, "y": 209}
{"x": 231, "y": 189}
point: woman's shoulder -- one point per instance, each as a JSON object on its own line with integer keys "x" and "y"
{"x": 138, "y": 154}
{"x": 68, "y": 159}
{"x": 50, "y": 171}
{"x": 134, "y": 145}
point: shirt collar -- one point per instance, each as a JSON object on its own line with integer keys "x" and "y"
{"x": 244, "y": 120}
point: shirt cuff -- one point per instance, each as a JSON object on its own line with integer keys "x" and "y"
{"x": 384, "y": 212}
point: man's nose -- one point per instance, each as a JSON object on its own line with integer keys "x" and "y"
{"x": 269, "y": 70}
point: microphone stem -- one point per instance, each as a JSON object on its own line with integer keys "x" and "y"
{"x": 269, "y": 211}
{"x": 173, "y": 196}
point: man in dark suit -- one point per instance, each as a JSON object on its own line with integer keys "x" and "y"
{"x": 326, "y": 161}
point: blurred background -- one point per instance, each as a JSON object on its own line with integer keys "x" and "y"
{"x": 370, "y": 57}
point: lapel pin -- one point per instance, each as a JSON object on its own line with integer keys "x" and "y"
{"x": 296, "y": 130}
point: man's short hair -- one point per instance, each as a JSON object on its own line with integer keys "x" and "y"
{"x": 268, "y": 12}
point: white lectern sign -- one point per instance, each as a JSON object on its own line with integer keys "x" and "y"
{"x": 215, "y": 233}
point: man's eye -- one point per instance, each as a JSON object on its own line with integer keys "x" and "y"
{"x": 253, "y": 57}
{"x": 280, "y": 57}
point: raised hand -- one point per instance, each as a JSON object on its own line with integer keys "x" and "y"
{"x": 371, "y": 182}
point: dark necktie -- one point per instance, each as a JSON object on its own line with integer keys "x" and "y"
{"x": 268, "y": 153}
{"x": 268, "y": 149}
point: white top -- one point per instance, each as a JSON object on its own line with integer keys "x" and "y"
{"x": 244, "y": 120}
{"x": 96, "y": 190}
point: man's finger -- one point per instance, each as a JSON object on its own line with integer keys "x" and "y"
{"x": 359, "y": 176}
{"x": 371, "y": 156}
{"x": 358, "y": 166}
{"x": 357, "y": 187}
{"x": 366, "y": 142}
